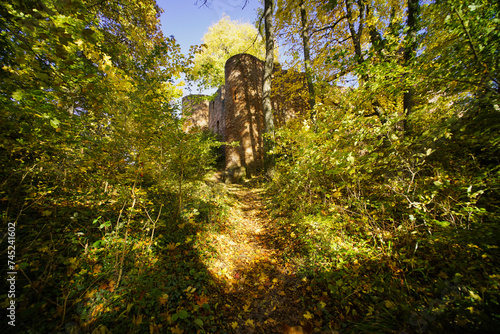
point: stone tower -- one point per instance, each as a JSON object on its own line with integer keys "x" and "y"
{"x": 235, "y": 114}
{"x": 244, "y": 117}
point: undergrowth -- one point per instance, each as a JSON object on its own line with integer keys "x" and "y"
{"x": 369, "y": 281}
{"x": 394, "y": 218}
{"x": 100, "y": 269}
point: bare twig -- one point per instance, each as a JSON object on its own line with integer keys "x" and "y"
{"x": 126, "y": 236}
{"x": 154, "y": 224}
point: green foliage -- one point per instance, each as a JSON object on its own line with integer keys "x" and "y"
{"x": 362, "y": 163}
{"x": 92, "y": 156}
{"x": 461, "y": 46}
{"x": 386, "y": 220}
{"x": 419, "y": 188}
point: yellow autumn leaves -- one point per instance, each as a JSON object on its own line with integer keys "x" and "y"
{"x": 224, "y": 39}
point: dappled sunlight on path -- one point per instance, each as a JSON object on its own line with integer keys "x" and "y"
{"x": 241, "y": 247}
{"x": 261, "y": 289}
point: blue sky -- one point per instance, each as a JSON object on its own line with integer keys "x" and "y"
{"x": 188, "y": 22}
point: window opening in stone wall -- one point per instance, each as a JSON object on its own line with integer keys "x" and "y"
{"x": 217, "y": 126}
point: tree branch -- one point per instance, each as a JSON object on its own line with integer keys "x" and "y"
{"x": 206, "y": 3}
{"x": 331, "y": 26}
{"x": 476, "y": 54}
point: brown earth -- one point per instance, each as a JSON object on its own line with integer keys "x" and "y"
{"x": 261, "y": 289}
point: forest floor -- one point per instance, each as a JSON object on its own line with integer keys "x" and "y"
{"x": 230, "y": 264}
{"x": 261, "y": 288}
{"x": 334, "y": 275}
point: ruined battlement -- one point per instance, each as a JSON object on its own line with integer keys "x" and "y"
{"x": 235, "y": 114}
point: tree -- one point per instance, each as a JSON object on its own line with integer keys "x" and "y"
{"x": 304, "y": 20}
{"x": 268, "y": 67}
{"x": 292, "y": 21}
{"x": 410, "y": 49}
{"x": 267, "y": 108}
{"x": 88, "y": 127}
{"x": 223, "y": 40}
{"x": 461, "y": 44}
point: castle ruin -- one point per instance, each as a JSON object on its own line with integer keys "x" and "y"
{"x": 235, "y": 114}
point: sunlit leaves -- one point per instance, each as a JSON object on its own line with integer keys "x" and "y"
{"x": 88, "y": 122}
{"x": 224, "y": 39}
{"x": 463, "y": 44}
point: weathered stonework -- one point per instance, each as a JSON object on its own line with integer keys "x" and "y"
{"x": 217, "y": 114}
{"x": 244, "y": 117}
{"x": 195, "y": 109}
{"x": 235, "y": 114}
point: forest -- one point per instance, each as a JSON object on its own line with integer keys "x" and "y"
{"x": 377, "y": 210}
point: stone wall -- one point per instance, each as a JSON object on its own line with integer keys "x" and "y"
{"x": 195, "y": 108}
{"x": 235, "y": 114}
{"x": 217, "y": 114}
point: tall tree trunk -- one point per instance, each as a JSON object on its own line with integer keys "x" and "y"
{"x": 363, "y": 11}
{"x": 410, "y": 51}
{"x": 356, "y": 35}
{"x": 266, "y": 82}
{"x": 307, "y": 58}
{"x": 268, "y": 67}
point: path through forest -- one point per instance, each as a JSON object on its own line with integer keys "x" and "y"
{"x": 261, "y": 289}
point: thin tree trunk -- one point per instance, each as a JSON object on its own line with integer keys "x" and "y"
{"x": 268, "y": 67}
{"x": 266, "y": 82}
{"x": 307, "y": 59}
{"x": 409, "y": 53}
{"x": 356, "y": 35}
